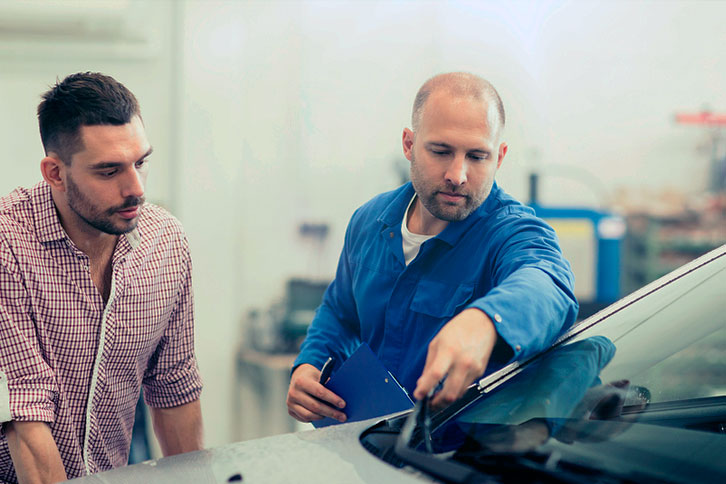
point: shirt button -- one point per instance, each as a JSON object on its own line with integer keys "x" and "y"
{"x": 390, "y": 235}
{"x": 497, "y": 318}
{"x": 518, "y": 348}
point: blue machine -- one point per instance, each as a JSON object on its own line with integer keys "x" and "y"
{"x": 591, "y": 241}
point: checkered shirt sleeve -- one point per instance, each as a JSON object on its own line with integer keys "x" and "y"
{"x": 28, "y": 387}
{"x": 172, "y": 377}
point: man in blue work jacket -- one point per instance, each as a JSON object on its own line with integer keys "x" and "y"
{"x": 446, "y": 276}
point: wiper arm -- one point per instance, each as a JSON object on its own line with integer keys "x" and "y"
{"x": 445, "y": 470}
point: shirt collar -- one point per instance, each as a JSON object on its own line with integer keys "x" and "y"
{"x": 45, "y": 216}
{"x": 393, "y": 214}
{"x": 395, "y": 211}
{"x": 47, "y": 223}
{"x": 133, "y": 238}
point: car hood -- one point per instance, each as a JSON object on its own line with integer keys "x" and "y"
{"x": 329, "y": 455}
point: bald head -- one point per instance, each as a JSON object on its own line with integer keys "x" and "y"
{"x": 459, "y": 85}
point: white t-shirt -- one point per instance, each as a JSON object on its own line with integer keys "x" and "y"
{"x": 411, "y": 242}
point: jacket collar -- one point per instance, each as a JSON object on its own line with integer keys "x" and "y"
{"x": 393, "y": 213}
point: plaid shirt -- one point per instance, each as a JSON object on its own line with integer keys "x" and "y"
{"x": 67, "y": 358}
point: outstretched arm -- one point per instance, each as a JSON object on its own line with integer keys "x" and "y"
{"x": 530, "y": 304}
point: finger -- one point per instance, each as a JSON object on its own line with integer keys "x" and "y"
{"x": 310, "y": 407}
{"x": 317, "y": 390}
{"x": 314, "y": 410}
{"x": 437, "y": 365}
{"x": 456, "y": 382}
{"x": 303, "y": 415}
{"x": 294, "y": 410}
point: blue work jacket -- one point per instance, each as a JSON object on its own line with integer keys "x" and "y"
{"x": 501, "y": 259}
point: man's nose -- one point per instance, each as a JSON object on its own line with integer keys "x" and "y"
{"x": 133, "y": 184}
{"x": 456, "y": 171}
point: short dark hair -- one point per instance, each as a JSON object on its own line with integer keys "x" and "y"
{"x": 82, "y": 99}
{"x": 460, "y": 84}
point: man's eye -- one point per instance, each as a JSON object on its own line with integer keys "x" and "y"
{"x": 478, "y": 157}
{"x": 141, "y": 163}
{"x": 439, "y": 153}
{"x": 108, "y": 174}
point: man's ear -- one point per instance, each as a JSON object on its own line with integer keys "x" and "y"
{"x": 407, "y": 140}
{"x": 502, "y": 152}
{"x": 52, "y": 168}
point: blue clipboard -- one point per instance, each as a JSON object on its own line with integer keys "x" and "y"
{"x": 368, "y": 388}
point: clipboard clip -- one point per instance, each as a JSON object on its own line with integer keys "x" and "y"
{"x": 327, "y": 369}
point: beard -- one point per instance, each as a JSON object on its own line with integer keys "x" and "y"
{"x": 97, "y": 218}
{"x": 427, "y": 191}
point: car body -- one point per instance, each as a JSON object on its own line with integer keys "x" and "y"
{"x": 635, "y": 393}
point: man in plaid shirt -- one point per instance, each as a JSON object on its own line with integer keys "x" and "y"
{"x": 95, "y": 297}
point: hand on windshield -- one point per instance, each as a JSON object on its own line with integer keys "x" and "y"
{"x": 460, "y": 352}
{"x": 308, "y": 399}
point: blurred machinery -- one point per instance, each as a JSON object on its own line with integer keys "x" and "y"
{"x": 282, "y": 327}
{"x": 271, "y": 343}
{"x": 670, "y": 228}
{"x": 658, "y": 243}
{"x": 265, "y": 358}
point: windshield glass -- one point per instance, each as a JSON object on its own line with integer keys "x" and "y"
{"x": 639, "y": 394}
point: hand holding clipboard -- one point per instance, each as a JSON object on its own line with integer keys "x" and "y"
{"x": 367, "y": 387}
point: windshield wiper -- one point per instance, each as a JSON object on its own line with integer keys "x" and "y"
{"x": 443, "y": 469}
{"x": 482, "y": 466}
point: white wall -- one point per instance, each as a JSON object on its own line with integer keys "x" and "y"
{"x": 41, "y": 41}
{"x": 267, "y": 114}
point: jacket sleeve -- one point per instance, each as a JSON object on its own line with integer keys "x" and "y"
{"x": 531, "y": 301}
{"x": 335, "y": 329}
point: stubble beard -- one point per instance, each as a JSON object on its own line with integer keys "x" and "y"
{"x": 98, "y": 219}
{"x": 449, "y": 212}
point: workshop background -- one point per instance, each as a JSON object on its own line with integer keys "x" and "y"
{"x": 272, "y": 121}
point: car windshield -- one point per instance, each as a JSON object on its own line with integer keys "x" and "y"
{"x": 637, "y": 392}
